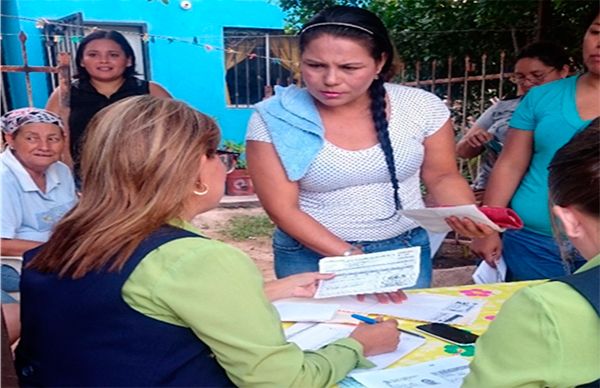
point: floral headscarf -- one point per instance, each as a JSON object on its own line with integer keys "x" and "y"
{"x": 11, "y": 121}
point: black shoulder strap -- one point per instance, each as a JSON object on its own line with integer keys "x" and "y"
{"x": 593, "y": 384}
{"x": 587, "y": 283}
{"x": 159, "y": 237}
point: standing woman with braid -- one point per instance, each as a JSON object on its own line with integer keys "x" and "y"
{"x": 333, "y": 163}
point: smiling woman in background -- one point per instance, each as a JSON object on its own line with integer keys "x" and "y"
{"x": 105, "y": 74}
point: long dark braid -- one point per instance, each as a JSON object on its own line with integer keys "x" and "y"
{"x": 378, "y": 105}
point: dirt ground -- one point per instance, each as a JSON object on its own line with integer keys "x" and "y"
{"x": 453, "y": 265}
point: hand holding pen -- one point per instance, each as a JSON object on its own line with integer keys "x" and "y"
{"x": 377, "y": 338}
{"x": 372, "y": 321}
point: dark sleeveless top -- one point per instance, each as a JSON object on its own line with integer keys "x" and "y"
{"x": 85, "y": 102}
{"x": 80, "y": 332}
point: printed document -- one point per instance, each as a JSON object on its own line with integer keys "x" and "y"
{"x": 418, "y": 307}
{"x": 434, "y": 218}
{"x": 370, "y": 272}
{"x": 431, "y": 308}
{"x": 441, "y": 373}
{"x": 422, "y": 306}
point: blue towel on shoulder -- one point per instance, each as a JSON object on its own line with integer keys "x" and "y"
{"x": 295, "y": 127}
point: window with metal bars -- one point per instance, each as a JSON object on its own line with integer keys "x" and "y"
{"x": 255, "y": 60}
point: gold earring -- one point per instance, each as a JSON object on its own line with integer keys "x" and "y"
{"x": 201, "y": 192}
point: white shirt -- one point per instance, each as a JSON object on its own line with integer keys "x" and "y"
{"x": 350, "y": 192}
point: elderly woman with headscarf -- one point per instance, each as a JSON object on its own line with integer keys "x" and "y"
{"x": 37, "y": 189}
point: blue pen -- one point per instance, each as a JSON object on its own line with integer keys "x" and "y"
{"x": 372, "y": 321}
{"x": 364, "y": 319}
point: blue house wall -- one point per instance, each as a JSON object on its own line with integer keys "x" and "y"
{"x": 191, "y": 73}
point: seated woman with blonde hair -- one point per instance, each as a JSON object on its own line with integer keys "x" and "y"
{"x": 128, "y": 293}
{"x": 548, "y": 335}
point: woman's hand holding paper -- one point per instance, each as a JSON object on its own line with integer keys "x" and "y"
{"x": 302, "y": 285}
{"x": 466, "y": 227}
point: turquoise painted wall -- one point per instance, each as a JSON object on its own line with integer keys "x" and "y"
{"x": 190, "y": 73}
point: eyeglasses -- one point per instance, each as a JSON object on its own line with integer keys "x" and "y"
{"x": 229, "y": 159}
{"x": 536, "y": 77}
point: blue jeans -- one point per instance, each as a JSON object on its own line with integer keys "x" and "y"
{"x": 291, "y": 257}
{"x": 10, "y": 283}
{"x": 531, "y": 256}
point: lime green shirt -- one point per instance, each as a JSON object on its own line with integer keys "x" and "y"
{"x": 546, "y": 335}
{"x": 217, "y": 291}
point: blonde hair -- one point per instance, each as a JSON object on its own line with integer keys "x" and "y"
{"x": 139, "y": 164}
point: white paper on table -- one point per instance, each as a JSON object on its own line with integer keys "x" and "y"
{"x": 319, "y": 335}
{"x": 485, "y": 274}
{"x": 407, "y": 344}
{"x": 434, "y": 218}
{"x": 303, "y": 311}
{"x": 419, "y": 306}
{"x": 370, "y": 272}
{"x": 297, "y": 328}
{"x": 430, "y": 308}
{"x": 441, "y": 373}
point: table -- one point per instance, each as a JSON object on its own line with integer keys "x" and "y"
{"x": 493, "y": 294}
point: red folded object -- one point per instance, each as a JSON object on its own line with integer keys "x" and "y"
{"x": 503, "y": 217}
